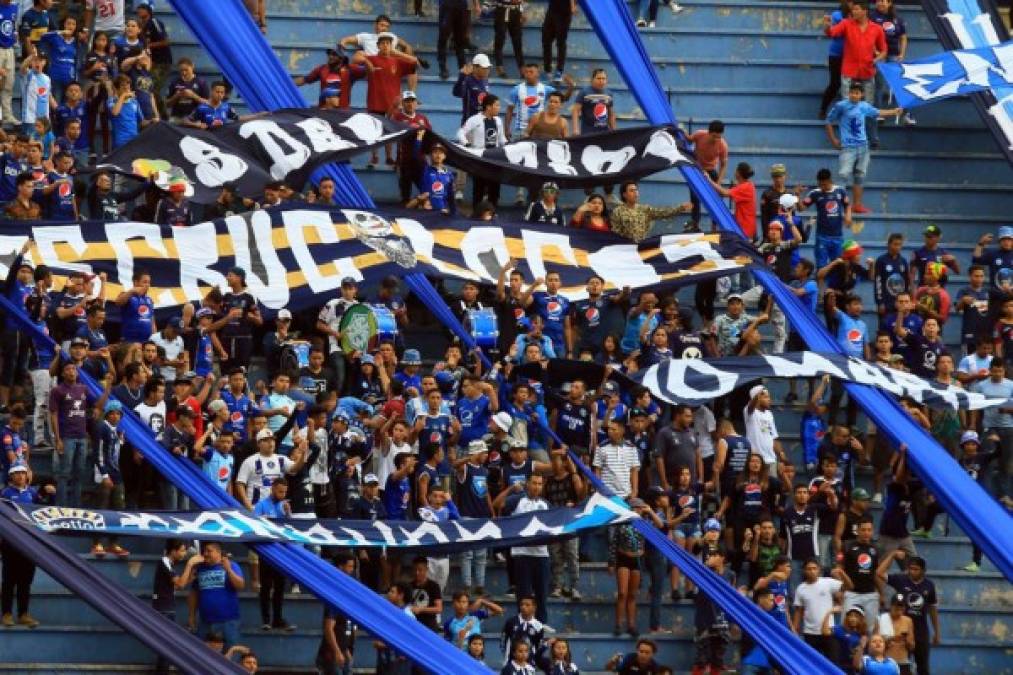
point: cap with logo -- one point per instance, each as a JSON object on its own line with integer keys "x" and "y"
{"x": 265, "y": 434}
{"x": 205, "y": 311}
{"x": 932, "y": 230}
{"x": 217, "y": 406}
{"x": 712, "y": 525}
{"x": 367, "y": 359}
{"x": 860, "y": 495}
{"x": 1006, "y": 232}
{"x": 409, "y": 95}
{"x": 898, "y": 599}
{"x": 370, "y": 479}
{"x": 477, "y": 447}
{"x": 411, "y": 358}
{"x": 386, "y": 35}
{"x": 733, "y": 296}
{"x": 284, "y": 315}
{"x": 550, "y": 186}
{"x": 349, "y": 281}
{"x": 788, "y": 201}
{"x": 79, "y": 342}
{"x": 970, "y": 436}
{"x": 17, "y": 468}
{"x": 610, "y": 388}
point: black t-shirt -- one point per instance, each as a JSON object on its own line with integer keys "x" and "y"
{"x": 800, "y": 530}
{"x": 238, "y": 327}
{"x": 163, "y": 595}
{"x": 708, "y": 615}
{"x": 573, "y": 424}
{"x": 918, "y": 597}
{"x": 509, "y": 315}
{"x": 425, "y": 595}
{"x": 897, "y": 508}
{"x": 686, "y": 345}
{"x": 860, "y": 562}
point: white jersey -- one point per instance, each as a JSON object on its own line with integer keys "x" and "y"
{"x": 527, "y": 101}
{"x": 258, "y": 472}
{"x": 173, "y": 348}
{"x": 367, "y": 43}
{"x": 109, "y": 15}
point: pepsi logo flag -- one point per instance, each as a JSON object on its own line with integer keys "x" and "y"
{"x": 949, "y": 74}
{"x": 696, "y": 381}
{"x": 582, "y": 161}
{"x": 296, "y": 257}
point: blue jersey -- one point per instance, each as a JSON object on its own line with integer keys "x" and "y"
{"x": 62, "y": 57}
{"x": 554, "y": 309}
{"x": 34, "y": 24}
{"x": 850, "y": 118}
{"x": 127, "y": 124}
{"x": 42, "y": 354}
{"x": 527, "y": 100}
{"x": 170, "y": 213}
{"x": 218, "y": 467}
{"x": 217, "y": 600}
{"x": 17, "y": 293}
{"x": 137, "y": 317}
{"x": 8, "y": 23}
{"x": 12, "y": 168}
{"x": 397, "y": 497}
{"x": 28, "y": 495}
{"x": 830, "y": 208}
{"x": 891, "y": 280}
{"x": 64, "y": 114}
{"x": 241, "y": 410}
{"x": 472, "y": 91}
{"x": 472, "y": 492}
{"x": 60, "y": 202}
{"x": 106, "y": 451}
{"x": 214, "y": 116}
{"x": 474, "y": 415}
{"x": 439, "y": 183}
{"x": 852, "y": 334}
{"x": 811, "y": 293}
{"x": 204, "y": 357}
{"x": 813, "y": 429}
{"x": 782, "y": 598}
{"x": 11, "y": 446}
{"x": 435, "y": 430}
{"x": 573, "y": 424}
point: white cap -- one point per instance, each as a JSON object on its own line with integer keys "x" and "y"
{"x": 370, "y": 479}
{"x": 216, "y": 405}
{"x": 756, "y": 391}
{"x": 503, "y": 420}
{"x": 477, "y": 447}
{"x": 482, "y": 61}
{"x": 386, "y": 35}
{"x": 17, "y": 468}
{"x": 264, "y": 433}
{"x": 284, "y": 314}
{"x": 788, "y": 201}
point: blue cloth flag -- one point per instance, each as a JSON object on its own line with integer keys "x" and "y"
{"x": 956, "y": 73}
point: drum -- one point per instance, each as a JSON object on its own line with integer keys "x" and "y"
{"x": 386, "y": 323}
{"x": 484, "y": 327}
{"x": 358, "y": 326}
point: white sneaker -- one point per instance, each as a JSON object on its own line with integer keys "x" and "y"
{"x": 877, "y": 498}
{"x": 908, "y": 120}
{"x": 676, "y": 8}
{"x": 651, "y": 24}
{"x": 459, "y": 196}
{"x": 641, "y": 23}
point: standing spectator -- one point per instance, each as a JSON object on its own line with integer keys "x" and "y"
{"x": 436, "y": 184}
{"x": 530, "y": 563}
{"x": 711, "y": 624}
{"x": 998, "y": 260}
{"x": 833, "y": 211}
{"x": 854, "y": 143}
{"x": 108, "y": 16}
{"x": 61, "y": 46}
{"x": 18, "y": 569}
{"x": 864, "y": 46}
{"x": 549, "y": 123}
{"x": 410, "y": 160}
{"x": 895, "y": 30}
{"x": 890, "y": 276}
{"x": 634, "y": 220}
{"x": 99, "y": 71}
{"x": 186, "y": 92}
{"x": 166, "y": 583}
{"x": 676, "y": 447}
{"x": 743, "y": 196}
{"x": 593, "y": 110}
{"x": 627, "y": 547}
{"x": 385, "y": 71}
{"x": 8, "y": 39}
{"x": 931, "y": 299}
{"x": 272, "y": 581}
{"x": 711, "y": 152}
{"x": 998, "y": 421}
{"x": 337, "y": 645}
{"x": 37, "y": 100}
{"x": 484, "y": 130}
{"x": 455, "y": 19}
{"x": 556, "y": 28}
{"x": 217, "y": 581}
{"x": 814, "y": 599}
{"x": 242, "y": 315}
{"x": 920, "y": 604}
{"x": 369, "y": 43}
{"x": 472, "y": 86}
{"x": 156, "y": 39}
{"x": 35, "y": 22}
{"x": 509, "y": 16}
{"x": 770, "y": 199}
{"x": 857, "y": 570}
{"x": 617, "y": 462}
{"x": 564, "y": 487}
{"x": 932, "y": 252}
{"x": 761, "y": 429}
{"x": 124, "y": 112}
{"x": 68, "y": 413}
{"x": 474, "y": 502}
{"x": 835, "y": 56}
{"x": 335, "y": 77}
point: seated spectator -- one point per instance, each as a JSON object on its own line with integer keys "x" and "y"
{"x": 545, "y": 210}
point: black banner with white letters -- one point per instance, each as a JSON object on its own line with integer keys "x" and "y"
{"x": 578, "y": 162}
{"x": 285, "y": 145}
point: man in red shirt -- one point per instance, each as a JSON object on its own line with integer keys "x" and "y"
{"x": 743, "y": 195}
{"x": 711, "y": 152}
{"x": 864, "y": 45}
{"x": 385, "y": 71}
{"x": 335, "y": 74}
{"x": 410, "y": 159}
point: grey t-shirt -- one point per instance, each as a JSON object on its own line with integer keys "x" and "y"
{"x": 677, "y": 448}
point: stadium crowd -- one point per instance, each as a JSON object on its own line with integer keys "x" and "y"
{"x": 282, "y": 414}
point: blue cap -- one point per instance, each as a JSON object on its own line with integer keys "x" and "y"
{"x": 112, "y": 406}
{"x": 176, "y": 322}
{"x": 367, "y": 358}
{"x": 342, "y": 415}
{"x": 411, "y": 357}
{"x": 1006, "y": 231}
{"x": 712, "y": 525}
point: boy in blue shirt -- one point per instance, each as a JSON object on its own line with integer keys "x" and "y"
{"x": 216, "y": 581}
{"x": 833, "y": 211}
{"x": 62, "y": 49}
{"x": 215, "y": 113}
{"x": 756, "y": 660}
{"x": 850, "y": 117}
{"x": 124, "y": 112}
{"x": 61, "y": 204}
{"x": 467, "y": 618}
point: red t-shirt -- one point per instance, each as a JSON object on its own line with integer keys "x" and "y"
{"x": 859, "y": 47}
{"x": 744, "y": 198}
{"x": 340, "y": 79}
{"x": 385, "y": 82}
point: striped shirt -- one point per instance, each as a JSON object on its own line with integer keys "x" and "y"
{"x": 615, "y": 462}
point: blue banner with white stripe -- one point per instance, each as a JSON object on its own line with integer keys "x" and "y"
{"x": 956, "y": 73}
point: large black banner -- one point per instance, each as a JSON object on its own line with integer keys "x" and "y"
{"x": 285, "y": 145}
{"x": 297, "y": 257}
{"x": 581, "y": 161}
{"x": 976, "y": 24}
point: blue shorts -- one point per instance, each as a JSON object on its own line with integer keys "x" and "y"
{"x": 688, "y": 530}
{"x": 828, "y": 249}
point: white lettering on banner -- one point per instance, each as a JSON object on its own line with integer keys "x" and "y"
{"x": 274, "y": 294}
{"x": 677, "y": 247}
{"x": 423, "y": 243}
{"x": 678, "y": 371}
{"x": 480, "y": 240}
{"x": 46, "y": 238}
{"x": 415, "y": 537}
{"x": 811, "y": 362}
{"x": 322, "y": 136}
{"x": 488, "y": 530}
{"x": 212, "y": 166}
{"x": 599, "y": 162}
{"x": 977, "y": 69}
{"x": 367, "y": 128}
{"x": 524, "y": 153}
{"x": 10, "y": 246}
{"x": 558, "y": 153}
{"x": 327, "y": 232}
{"x": 270, "y": 135}
{"x": 197, "y": 247}
{"x": 662, "y": 144}
{"x": 1000, "y": 112}
{"x": 622, "y": 265}
{"x": 535, "y": 244}
{"x": 924, "y": 74}
{"x": 118, "y": 235}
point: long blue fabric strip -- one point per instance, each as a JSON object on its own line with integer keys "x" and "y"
{"x": 977, "y": 513}
{"x": 340, "y": 590}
